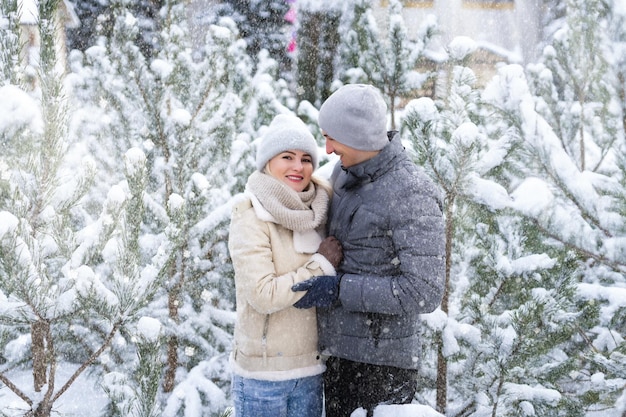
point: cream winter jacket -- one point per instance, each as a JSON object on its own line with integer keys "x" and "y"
{"x": 273, "y": 340}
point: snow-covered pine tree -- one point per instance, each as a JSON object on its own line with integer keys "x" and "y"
{"x": 578, "y": 164}
{"x": 59, "y": 315}
{"x": 194, "y": 113}
{"x": 617, "y": 35}
{"x": 567, "y": 180}
{"x": 582, "y": 98}
{"x": 494, "y": 347}
{"x": 262, "y": 25}
{"x": 580, "y": 89}
{"x": 97, "y": 19}
{"x": 318, "y": 40}
{"x": 535, "y": 170}
{"x": 9, "y": 42}
{"x": 389, "y": 62}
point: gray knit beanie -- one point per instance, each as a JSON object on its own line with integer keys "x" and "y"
{"x": 356, "y": 115}
{"x": 286, "y": 132}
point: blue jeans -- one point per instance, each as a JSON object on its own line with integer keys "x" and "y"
{"x": 292, "y": 398}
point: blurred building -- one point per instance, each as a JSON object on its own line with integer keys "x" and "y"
{"x": 503, "y": 30}
{"x": 30, "y": 39}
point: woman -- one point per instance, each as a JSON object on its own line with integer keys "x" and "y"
{"x": 275, "y": 242}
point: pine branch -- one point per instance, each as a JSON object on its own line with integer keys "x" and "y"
{"x": 6, "y": 381}
{"x": 90, "y": 360}
{"x": 617, "y": 266}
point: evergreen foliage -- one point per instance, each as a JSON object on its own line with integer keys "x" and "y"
{"x": 526, "y": 308}
{"x": 579, "y": 97}
{"x": 578, "y": 160}
{"x": 9, "y": 42}
{"x": 50, "y": 290}
{"x": 386, "y": 62}
{"x": 262, "y": 25}
{"x": 97, "y": 18}
{"x": 318, "y": 40}
{"x": 193, "y": 114}
{"x": 510, "y": 304}
{"x": 183, "y": 110}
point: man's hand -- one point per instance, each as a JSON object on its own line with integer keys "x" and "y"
{"x": 322, "y": 291}
{"x": 331, "y": 249}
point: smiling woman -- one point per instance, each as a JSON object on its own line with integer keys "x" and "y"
{"x": 275, "y": 241}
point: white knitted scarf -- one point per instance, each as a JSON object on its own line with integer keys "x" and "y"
{"x": 297, "y": 211}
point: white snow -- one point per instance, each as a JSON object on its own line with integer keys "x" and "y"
{"x": 18, "y": 109}
{"x": 83, "y": 398}
{"x": 29, "y": 12}
{"x": 15, "y": 348}
{"x": 615, "y": 297}
{"x": 181, "y": 117}
{"x": 532, "y": 197}
{"x": 534, "y": 262}
{"x": 161, "y": 67}
{"x": 116, "y": 197}
{"x": 149, "y": 329}
{"x": 176, "y": 202}
{"x": 135, "y": 161}
{"x": 130, "y": 20}
{"x": 461, "y": 46}
{"x": 488, "y": 192}
{"x": 200, "y": 181}
{"x": 424, "y": 107}
{"x": 317, "y": 5}
{"x": 8, "y": 224}
{"x": 404, "y": 410}
{"x": 534, "y": 393}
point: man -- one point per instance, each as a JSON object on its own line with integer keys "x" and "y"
{"x": 387, "y": 215}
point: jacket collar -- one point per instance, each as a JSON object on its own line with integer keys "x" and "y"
{"x": 370, "y": 170}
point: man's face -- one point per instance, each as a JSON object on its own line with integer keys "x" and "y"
{"x": 348, "y": 156}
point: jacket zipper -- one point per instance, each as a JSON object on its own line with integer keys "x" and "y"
{"x": 264, "y": 338}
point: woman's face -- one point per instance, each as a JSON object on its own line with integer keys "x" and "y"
{"x": 292, "y": 167}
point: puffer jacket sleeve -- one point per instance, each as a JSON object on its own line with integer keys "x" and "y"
{"x": 411, "y": 279}
{"x": 257, "y": 279}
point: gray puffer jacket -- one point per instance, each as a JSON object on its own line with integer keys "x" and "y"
{"x": 388, "y": 216}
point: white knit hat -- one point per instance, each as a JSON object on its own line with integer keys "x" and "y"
{"x": 286, "y": 132}
{"x": 356, "y": 115}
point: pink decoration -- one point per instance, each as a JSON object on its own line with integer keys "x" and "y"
{"x": 290, "y": 16}
{"x": 292, "y": 46}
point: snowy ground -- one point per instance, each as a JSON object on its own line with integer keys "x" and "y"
{"x": 84, "y": 398}
{"x": 409, "y": 410}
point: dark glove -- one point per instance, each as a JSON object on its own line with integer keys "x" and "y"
{"x": 331, "y": 249}
{"x": 321, "y": 291}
